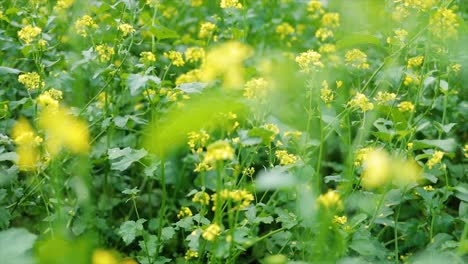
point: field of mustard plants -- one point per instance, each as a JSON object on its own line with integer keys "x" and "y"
{"x": 233, "y": 131}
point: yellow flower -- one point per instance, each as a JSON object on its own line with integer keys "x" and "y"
{"x": 406, "y": 106}
{"x": 175, "y": 57}
{"x": 356, "y": 59}
{"x": 444, "y": 24}
{"x": 211, "y": 232}
{"x": 415, "y": 61}
{"x": 314, "y": 7}
{"x": 331, "y": 200}
{"x": 409, "y": 79}
{"x": 256, "y": 89}
{"x": 428, "y": 188}
{"x": 326, "y": 94}
{"x": 309, "y": 61}
{"x": 361, "y": 156}
{"x": 63, "y": 4}
{"x": 147, "y": 57}
{"x": 230, "y": 3}
{"x": 31, "y": 80}
{"x": 340, "y": 219}
{"x": 201, "y": 197}
{"x": 194, "y": 54}
{"x": 206, "y": 30}
{"x": 327, "y": 48}
{"x": 435, "y": 159}
{"x": 284, "y": 29}
{"x": 331, "y": 20}
{"x": 324, "y": 33}
{"x": 126, "y": 29}
{"x": 63, "y": 130}
{"x": 384, "y": 97}
{"x": 226, "y": 60}
{"x": 285, "y": 158}
{"x": 219, "y": 150}
{"x": 46, "y": 100}
{"x": 190, "y": 254}
{"x": 84, "y": 24}
{"x": 28, "y": 33}
{"x": 27, "y": 143}
{"x": 196, "y": 3}
{"x": 455, "y": 67}
{"x": 101, "y": 256}
{"x": 105, "y": 52}
{"x": 189, "y": 77}
{"x": 197, "y": 140}
{"x": 361, "y": 101}
{"x": 399, "y": 38}
{"x": 184, "y": 212}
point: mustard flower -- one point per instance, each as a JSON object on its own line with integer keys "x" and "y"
{"x": 28, "y": 33}
{"x": 175, "y": 57}
{"x": 31, "y": 80}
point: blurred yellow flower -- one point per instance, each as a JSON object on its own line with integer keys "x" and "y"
{"x": 256, "y": 89}
{"x": 27, "y": 143}
{"x": 444, "y": 24}
{"x": 63, "y": 130}
{"x": 331, "y": 200}
{"x": 101, "y": 256}
{"x": 190, "y": 254}
{"x": 201, "y": 197}
{"x": 284, "y": 29}
{"x": 206, "y": 30}
{"x": 31, "y": 80}
{"x": 226, "y": 61}
{"x": 415, "y": 62}
{"x": 376, "y": 169}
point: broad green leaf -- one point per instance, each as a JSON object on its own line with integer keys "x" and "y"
{"x": 161, "y": 32}
{"x": 136, "y": 82}
{"x": 130, "y": 230}
{"x": 191, "y": 88}
{"x": 16, "y": 246}
{"x": 447, "y": 145}
{"x": 167, "y": 233}
{"x": 7, "y": 70}
{"x": 122, "y": 158}
{"x": 11, "y": 156}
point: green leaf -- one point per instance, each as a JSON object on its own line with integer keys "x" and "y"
{"x": 191, "y": 88}
{"x": 136, "y": 82}
{"x": 287, "y": 219}
{"x": 10, "y": 156}
{"x": 447, "y": 145}
{"x": 161, "y": 32}
{"x": 123, "y": 158}
{"x": 16, "y": 246}
{"x": 167, "y": 233}
{"x": 130, "y": 230}
{"x": 168, "y": 134}
{"x": 7, "y": 70}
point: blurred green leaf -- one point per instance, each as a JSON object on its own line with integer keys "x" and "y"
{"x": 197, "y": 113}
{"x": 136, "y": 82}
{"x": 16, "y": 246}
{"x": 447, "y": 145}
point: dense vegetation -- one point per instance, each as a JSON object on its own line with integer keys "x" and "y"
{"x": 233, "y": 131}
